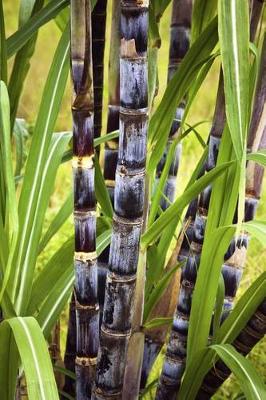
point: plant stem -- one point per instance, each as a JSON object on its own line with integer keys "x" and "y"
{"x": 128, "y": 201}
{"x": 98, "y": 23}
{"x": 86, "y": 290}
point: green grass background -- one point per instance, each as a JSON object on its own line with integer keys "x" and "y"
{"x": 202, "y": 110}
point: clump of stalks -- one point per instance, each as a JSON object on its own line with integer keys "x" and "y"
{"x": 179, "y": 45}
{"x": 189, "y": 255}
{"x": 128, "y": 202}
{"x": 234, "y": 263}
{"x": 85, "y": 260}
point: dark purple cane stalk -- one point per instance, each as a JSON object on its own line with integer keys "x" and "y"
{"x": 175, "y": 359}
{"x": 111, "y": 148}
{"x": 85, "y": 260}
{"x": 179, "y": 45}
{"x": 128, "y": 201}
{"x": 253, "y": 332}
{"x": 98, "y": 23}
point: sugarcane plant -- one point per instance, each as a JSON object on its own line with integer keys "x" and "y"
{"x": 85, "y": 260}
{"x": 128, "y": 201}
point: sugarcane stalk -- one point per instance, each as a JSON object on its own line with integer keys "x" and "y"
{"x": 252, "y": 333}
{"x": 85, "y": 259}
{"x": 111, "y": 148}
{"x": 179, "y": 45}
{"x": 235, "y": 257}
{"x": 98, "y": 23}
{"x": 128, "y": 201}
{"x": 70, "y": 351}
{"x": 175, "y": 359}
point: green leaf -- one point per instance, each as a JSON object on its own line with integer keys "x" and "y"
{"x": 11, "y": 223}
{"x": 101, "y": 191}
{"x": 34, "y": 356}
{"x": 159, "y": 188}
{"x": 40, "y": 172}
{"x": 250, "y": 381}
{"x": 218, "y": 308}
{"x": 20, "y": 135}
{"x": 158, "y": 291}
{"x": 3, "y": 51}
{"x": 62, "y": 260}
{"x": 50, "y": 168}
{"x": 258, "y": 157}
{"x": 55, "y": 302}
{"x": 20, "y": 38}
{"x": 58, "y": 221}
{"x": 156, "y": 229}
{"x": 203, "y": 12}
{"x": 157, "y": 322}
{"x": 257, "y": 229}
{"x": 21, "y": 64}
{"x": 233, "y": 26}
{"x": 198, "y": 83}
{"x": 180, "y": 83}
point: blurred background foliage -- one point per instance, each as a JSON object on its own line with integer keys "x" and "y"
{"x": 202, "y": 110}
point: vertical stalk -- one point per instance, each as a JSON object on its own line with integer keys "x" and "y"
{"x": 128, "y": 201}
{"x": 98, "y": 23}
{"x": 175, "y": 359}
{"x": 85, "y": 261}
{"x": 111, "y": 148}
{"x": 253, "y": 332}
{"x": 179, "y": 45}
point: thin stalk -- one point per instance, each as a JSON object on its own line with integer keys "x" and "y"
{"x": 235, "y": 257}
{"x": 175, "y": 359}
{"x": 179, "y": 45}
{"x": 111, "y": 148}
{"x": 128, "y": 202}
{"x": 253, "y": 332}
{"x": 70, "y": 352}
{"x": 98, "y": 23}
{"x": 85, "y": 259}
